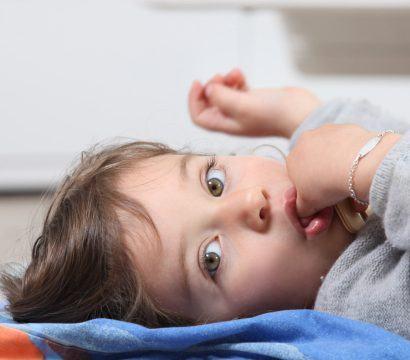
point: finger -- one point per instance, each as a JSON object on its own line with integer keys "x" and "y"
{"x": 304, "y": 209}
{"x": 236, "y": 79}
{"x": 216, "y": 79}
{"x": 231, "y": 102}
{"x": 212, "y": 119}
{"x": 196, "y": 100}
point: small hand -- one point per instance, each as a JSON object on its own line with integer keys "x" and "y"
{"x": 319, "y": 165}
{"x": 226, "y": 104}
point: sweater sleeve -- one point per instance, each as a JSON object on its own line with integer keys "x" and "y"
{"x": 389, "y": 194}
{"x": 360, "y": 112}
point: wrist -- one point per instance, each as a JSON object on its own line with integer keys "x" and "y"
{"x": 369, "y": 164}
{"x": 301, "y": 113}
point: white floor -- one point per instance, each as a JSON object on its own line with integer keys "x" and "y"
{"x": 20, "y": 221}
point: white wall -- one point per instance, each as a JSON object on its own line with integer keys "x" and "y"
{"x": 75, "y": 72}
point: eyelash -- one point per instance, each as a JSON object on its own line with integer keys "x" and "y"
{"x": 211, "y": 163}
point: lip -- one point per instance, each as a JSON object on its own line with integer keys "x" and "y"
{"x": 291, "y": 213}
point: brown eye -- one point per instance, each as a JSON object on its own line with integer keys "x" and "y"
{"x": 212, "y": 261}
{"x": 215, "y": 186}
{"x": 211, "y": 257}
{"x": 215, "y": 180}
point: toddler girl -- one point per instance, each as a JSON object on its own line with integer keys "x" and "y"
{"x": 144, "y": 233}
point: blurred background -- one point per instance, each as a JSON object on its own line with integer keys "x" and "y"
{"x": 77, "y": 72}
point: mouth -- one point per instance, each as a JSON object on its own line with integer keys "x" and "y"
{"x": 311, "y": 226}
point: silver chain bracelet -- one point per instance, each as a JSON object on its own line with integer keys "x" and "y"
{"x": 369, "y": 146}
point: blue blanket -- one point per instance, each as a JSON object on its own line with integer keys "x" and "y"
{"x": 290, "y": 334}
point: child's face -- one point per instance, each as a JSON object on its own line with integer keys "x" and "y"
{"x": 264, "y": 262}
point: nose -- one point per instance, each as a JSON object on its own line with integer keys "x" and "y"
{"x": 249, "y": 206}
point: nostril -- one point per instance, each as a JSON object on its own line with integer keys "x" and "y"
{"x": 262, "y": 213}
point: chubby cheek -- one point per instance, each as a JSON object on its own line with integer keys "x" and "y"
{"x": 263, "y": 279}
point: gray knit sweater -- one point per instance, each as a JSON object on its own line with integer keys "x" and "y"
{"x": 370, "y": 281}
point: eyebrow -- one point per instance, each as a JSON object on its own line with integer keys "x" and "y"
{"x": 183, "y": 166}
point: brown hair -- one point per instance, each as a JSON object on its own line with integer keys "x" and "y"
{"x": 81, "y": 267}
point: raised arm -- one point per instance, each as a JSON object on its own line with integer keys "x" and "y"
{"x": 227, "y": 104}
{"x": 383, "y": 175}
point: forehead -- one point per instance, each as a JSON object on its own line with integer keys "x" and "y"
{"x": 149, "y": 181}
{"x": 152, "y": 170}
{"x": 155, "y": 183}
